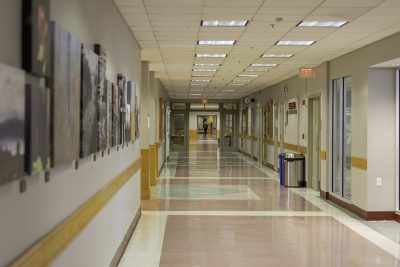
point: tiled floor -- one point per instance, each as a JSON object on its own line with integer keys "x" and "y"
{"x": 224, "y": 209}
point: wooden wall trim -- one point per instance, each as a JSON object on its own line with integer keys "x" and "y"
{"x": 50, "y": 246}
{"x": 302, "y": 149}
{"x": 249, "y": 137}
{"x": 152, "y": 165}
{"x": 144, "y": 175}
{"x": 322, "y": 155}
{"x": 290, "y": 147}
{"x": 125, "y": 241}
{"x": 359, "y": 163}
{"x": 366, "y": 215}
{"x": 268, "y": 141}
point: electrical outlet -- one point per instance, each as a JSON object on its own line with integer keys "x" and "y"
{"x": 379, "y": 181}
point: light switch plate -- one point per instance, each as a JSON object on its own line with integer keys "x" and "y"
{"x": 379, "y": 181}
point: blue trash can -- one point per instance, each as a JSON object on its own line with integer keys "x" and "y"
{"x": 281, "y": 158}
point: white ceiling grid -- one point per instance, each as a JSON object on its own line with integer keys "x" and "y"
{"x": 168, "y": 31}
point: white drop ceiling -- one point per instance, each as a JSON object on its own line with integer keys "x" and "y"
{"x": 168, "y": 31}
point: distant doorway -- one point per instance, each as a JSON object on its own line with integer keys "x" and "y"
{"x": 207, "y": 127}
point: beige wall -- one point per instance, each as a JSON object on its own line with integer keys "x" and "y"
{"x": 356, "y": 64}
{"x": 299, "y": 89}
{"x": 373, "y": 118}
{"x": 27, "y": 217}
{"x": 381, "y": 147}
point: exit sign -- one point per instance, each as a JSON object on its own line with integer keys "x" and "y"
{"x": 204, "y": 101}
{"x": 306, "y": 73}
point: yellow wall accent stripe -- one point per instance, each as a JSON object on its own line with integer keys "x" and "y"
{"x": 145, "y": 174}
{"x": 152, "y": 166}
{"x": 302, "y": 149}
{"x": 192, "y": 135}
{"x": 359, "y": 163}
{"x": 290, "y": 147}
{"x": 49, "y": 247}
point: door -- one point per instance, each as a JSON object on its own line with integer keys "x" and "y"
{"x": 276, "y": 135}
{"x": 167, "y": 130}
{"x": 341, "y": 137}
{"x": 281, "y": 127}
{"x": 228, "y": 131}
{"x": 178, "y": 131}
{"x": 314, "y": 130}
{"x": 260, "y": 134}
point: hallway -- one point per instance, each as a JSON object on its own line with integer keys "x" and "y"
{"x": 213, "y": 208}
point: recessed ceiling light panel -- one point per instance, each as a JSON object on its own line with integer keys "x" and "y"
{"x": 248, "y": 75}
{"x": 211, "y": 55}
{"x": 277, "y": 55}
{"x": 207, "y": 70}
{"x": 335, "y": 24}
{"x": 196, "y": 80}
{"x": 201, "y": 75}
{"x": 206, "y": 64}
{"x": 263, "y": 65}
{"x": 294, "y": 43}
{"x": 216, "y": 42}
{"x": 224, "y": 23}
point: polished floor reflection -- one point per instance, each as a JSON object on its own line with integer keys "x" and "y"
{"x": 211, "y": 208}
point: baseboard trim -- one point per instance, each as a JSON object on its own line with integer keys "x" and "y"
{"x": 363, "y": 214}
{"x": 270, "y": 166}
{"x": 125, "y": 241}
{"x": 161, "y": 169}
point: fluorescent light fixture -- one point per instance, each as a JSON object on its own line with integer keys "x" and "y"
{"x": 211, "y": 55}
{"x": 263, "y": 65}
{"x": 206, "y": 64}
{"x": 228, "y": 90}
{"x": 295, "y": 43}
{"x": 336, "y": 24}
{"x": 224, "y": 23}
{"x": 209, "y": 70}
{"x": 257, "y": 70}
{"x": 242, "y": 81}
{"x": 240, "y": 84}
{"x": 201, "y": 80}
{"x": 195, "y": 94}
{"x": 277, "y": 55}
{"x": 216, "y": 42}
{"x": 197, "y": 84}
{"x": 202, "y": 75}
{"x": 248, "y": 75}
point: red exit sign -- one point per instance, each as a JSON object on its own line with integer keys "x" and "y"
{"x": 306, "y": 73}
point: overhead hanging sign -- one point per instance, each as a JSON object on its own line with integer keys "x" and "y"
{"x": 306, "y": 73}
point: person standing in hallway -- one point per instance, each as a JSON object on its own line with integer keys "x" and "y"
{"x": 205, "y": 127}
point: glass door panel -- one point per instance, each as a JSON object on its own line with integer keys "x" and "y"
{"x": 341, "y": 137}
{"x": 178, "y": 132}
{"x": 337, "y": 136}
{"x": 347, "y": 81}
{"x": 228, "y": 131}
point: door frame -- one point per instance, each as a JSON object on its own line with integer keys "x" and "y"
{"x": 235, "y": 138}
{"x": 310, "y": 140}
{"x": 186, "y": 130}
{"x": 397, "y": 140}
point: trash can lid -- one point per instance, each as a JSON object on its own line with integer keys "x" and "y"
{"x": 294, "y": 156}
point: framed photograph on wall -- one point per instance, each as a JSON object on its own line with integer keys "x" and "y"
{"x": 65, "y": 89}
{"x": 12, "y": 123}
{"x": 89, "y": 103}
{"x": 37, "y": 137}
{"x": 36, "y": 36}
